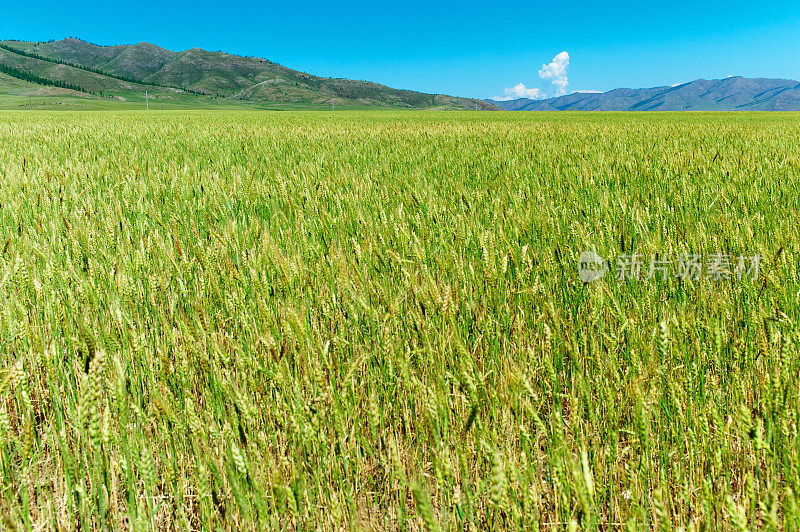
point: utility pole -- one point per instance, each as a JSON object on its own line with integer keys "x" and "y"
{"x": 146, "y": 99}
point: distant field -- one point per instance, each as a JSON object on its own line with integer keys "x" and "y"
{"x": 375, "y": 320}
{"x": 18, "y": 95}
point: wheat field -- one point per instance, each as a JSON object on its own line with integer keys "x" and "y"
{"x": 374, "y": 320}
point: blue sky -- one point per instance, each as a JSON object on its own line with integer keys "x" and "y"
{"x": 474, "y": 49}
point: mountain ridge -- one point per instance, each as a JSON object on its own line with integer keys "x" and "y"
{"x": 124, "y": 72}
{"x": 734, "y": 93}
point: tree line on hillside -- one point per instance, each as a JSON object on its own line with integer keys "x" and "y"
{"x": 34, "y": 55}
{"x": 33, "y": 78}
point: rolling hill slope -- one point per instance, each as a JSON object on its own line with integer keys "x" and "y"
{"x": 730, "y": 94}
{"x": 197, "y": 76}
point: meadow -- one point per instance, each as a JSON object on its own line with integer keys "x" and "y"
{"x": 374, "y": 320}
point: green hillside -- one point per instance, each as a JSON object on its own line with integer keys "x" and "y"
{"x": 193, "y": 78}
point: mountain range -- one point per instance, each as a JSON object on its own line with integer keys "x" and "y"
{"x": 79, "y": 74}
{"x": 729, "y": 94}
{"x": 72, "y": 73}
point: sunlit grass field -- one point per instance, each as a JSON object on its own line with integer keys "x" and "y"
{"x": 374, "y": 320}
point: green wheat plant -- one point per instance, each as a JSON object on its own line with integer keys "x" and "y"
{"x": 374, "y": 320}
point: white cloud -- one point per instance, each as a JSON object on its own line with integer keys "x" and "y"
{"x": 588, "y": 92}
{"x": 555, "y": 73}
{"x": 519, "y": 91}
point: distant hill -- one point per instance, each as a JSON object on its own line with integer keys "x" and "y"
{"x": 193, "y": 77}
{"x": 730, "y": 94}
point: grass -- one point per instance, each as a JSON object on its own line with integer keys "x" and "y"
{"x": 18, "y": 95}
{"x": 31, "y": 99}
{"x": 374, "y": 320}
